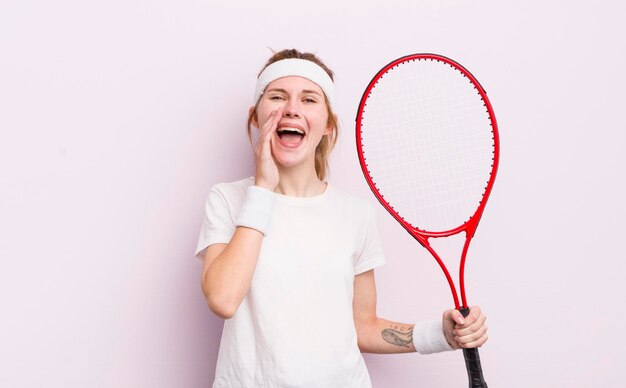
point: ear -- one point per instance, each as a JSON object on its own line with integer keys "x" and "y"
{"x": 255, "y": 120}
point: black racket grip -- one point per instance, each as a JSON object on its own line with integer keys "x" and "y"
{"x": 472, "y": 362}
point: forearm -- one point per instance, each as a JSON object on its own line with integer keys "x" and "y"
{"x": 384, "y": 336}
{"x": 229, "y": 268}
{"x": 226, "y": 280}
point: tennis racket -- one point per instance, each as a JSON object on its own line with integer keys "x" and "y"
{"x": 427, "y": 141}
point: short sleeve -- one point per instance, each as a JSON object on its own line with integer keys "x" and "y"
{"x": 372, "y": 253}
{"x": 218, "y": 224}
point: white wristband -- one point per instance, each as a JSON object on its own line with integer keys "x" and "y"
{"x": 256, "y": 211}
{"x": 428, "y": 337}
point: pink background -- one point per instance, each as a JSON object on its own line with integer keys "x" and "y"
{"x": 117, "y": 117}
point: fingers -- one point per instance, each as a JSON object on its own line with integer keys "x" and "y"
{"x": 263, "y": 148}
{"x": 272, "y": 122}
{"x": 451, "y": 318}
{"x": 266, "y": 170}
{"x": 473, "y": 333}
{"x": 473, "y": 340}
{"x": 456, "y": 316}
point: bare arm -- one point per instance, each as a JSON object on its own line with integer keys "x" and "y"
{"x": 228, "y": 271}
{"x": 228, "y": 268}
{"x": 378, "y": 335}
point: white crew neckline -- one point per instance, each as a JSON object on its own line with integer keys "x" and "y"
{"x": 304, "y": 201}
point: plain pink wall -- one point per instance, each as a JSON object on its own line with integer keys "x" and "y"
{"x": 116, "y": 118}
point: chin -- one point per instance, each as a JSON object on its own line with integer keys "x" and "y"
{"x": 290, "y": 160}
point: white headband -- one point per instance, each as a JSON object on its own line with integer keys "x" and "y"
{"x": 299, "y": 68}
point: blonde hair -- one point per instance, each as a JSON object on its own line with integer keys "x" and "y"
{"x": 328, "y": 142}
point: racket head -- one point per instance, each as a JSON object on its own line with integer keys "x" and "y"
{"x": 428, "y": 145}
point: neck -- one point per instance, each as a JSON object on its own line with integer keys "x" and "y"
{"x": 299, "y": 182}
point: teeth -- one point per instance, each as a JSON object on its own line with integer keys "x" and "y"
{"x": 289, "y": 129}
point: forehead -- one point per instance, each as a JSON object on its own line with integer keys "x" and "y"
{"x": 294, "y": 84}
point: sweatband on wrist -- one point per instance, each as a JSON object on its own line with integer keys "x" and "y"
{"x": 256, "y": 211}
{"x": 428, "y": 337}
{"x": 295, "y": 67}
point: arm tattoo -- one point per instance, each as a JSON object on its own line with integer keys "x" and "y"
{"x": 399, "y": 335}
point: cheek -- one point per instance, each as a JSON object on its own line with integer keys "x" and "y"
{"x": 262, "y": 117}
{"x": 265, "y": 109}
{"x": 318, "y": 118}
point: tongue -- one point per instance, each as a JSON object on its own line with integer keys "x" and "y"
{"x": 291, "y": 138}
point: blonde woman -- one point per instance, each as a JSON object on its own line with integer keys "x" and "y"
{"x": 289, "y": 259}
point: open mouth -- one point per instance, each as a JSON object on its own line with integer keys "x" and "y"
{"x": 290, "y": 136}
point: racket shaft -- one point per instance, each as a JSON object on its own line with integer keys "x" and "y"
{"x": 472, "y": 363}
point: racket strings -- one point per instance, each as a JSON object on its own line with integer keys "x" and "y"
{"x": 428, "y": 143}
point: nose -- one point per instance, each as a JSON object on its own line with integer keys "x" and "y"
{"x": 291, "y": 109}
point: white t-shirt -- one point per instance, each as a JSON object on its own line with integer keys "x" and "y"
{"x": 295, "y": 327}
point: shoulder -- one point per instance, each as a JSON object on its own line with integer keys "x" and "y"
{"x": 233, "y": 193}
{"x": 233, "y": 188}
{"x": 356, "y": 206}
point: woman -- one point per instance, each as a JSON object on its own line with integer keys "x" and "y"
{"x": 289, "y": 259}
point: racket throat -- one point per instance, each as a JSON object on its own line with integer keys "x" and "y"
{"x": 435, "y": 255}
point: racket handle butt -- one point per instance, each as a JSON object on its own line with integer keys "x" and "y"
{"x": 472, "y": 363}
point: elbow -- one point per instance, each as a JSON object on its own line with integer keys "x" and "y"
{"x": 219, "y": 300}
{"x": 362, "y": 343}
{"x": 219, "y": 305}
{"x": 366, "y": 334}
{"x": 221, "y": 309}
{"x": 362, "y": 337}
{"x": 362, "y": 348}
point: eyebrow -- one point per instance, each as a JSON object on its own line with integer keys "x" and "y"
{"x": 304, "y": 91}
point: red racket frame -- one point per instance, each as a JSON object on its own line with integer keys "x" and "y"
{"x": 469, "y": 227}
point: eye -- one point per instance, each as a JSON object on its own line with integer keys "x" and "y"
{"x": 276, "y": 97}
{"x": 310, "y": 100}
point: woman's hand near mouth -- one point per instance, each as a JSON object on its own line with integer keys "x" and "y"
{"x": 266, "y": 169}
